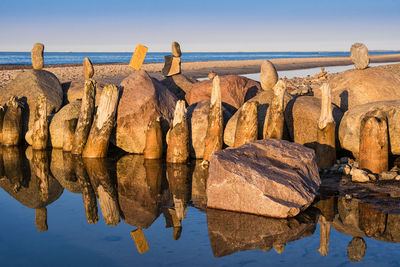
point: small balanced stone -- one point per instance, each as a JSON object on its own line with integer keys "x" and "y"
{"x": 138, "y": 57}
{"x": 359, "y": 55}
{"x": 37, "y": 56}
{"x": 211, "y": 75}
{"x": 172, "y": 66}
{"x": 88, "y": 70}
{"x": 176, "y": 49}
{"x": 268, "y": 75}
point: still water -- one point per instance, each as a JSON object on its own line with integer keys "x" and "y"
{"x": 59, "y": 210}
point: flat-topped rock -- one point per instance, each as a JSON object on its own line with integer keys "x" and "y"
{"x": 270, "y": 177}
{"x": 235, "y": 90}
{"x": 356, "y": 87}
{"x": 349, "y": 130}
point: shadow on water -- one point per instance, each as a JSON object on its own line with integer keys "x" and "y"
{"x": 137, "y": 191}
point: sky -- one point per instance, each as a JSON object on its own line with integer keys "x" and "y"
{"x": 199, "y": 25}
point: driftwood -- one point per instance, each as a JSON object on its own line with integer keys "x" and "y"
{"x": 178, "y": 136}
{"x": 104, "y": 188}
{"x": 85, "y": 117}
{"x": 40, "y": 131}
{"x": 274, "y": 119}
{"x": 247, "y": 124}
{"x": 104, "y": 121}
{"x": 213, "y": 140}
{"x": 88, "y": 194}
{"x": 374, "y": 144}
{"x": 326, "y": 148}
{"x": 12, "y": 123}
{"x": 153, "y": 148}
{"x": 68, "y": 136}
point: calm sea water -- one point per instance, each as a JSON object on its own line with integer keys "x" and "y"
{"x": 50, "y": 58}
{"x": 48, "y": 199}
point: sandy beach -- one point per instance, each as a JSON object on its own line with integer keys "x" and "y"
{"x": 114, "y": 73}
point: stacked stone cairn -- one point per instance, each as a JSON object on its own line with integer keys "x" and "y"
{"x": 172, "y": 64}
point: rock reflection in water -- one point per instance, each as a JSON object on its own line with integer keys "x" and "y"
{"x": 30, "y": 182}
{"x": 62, "y": 168}
{"x": 104, "y": 187}
{"x": 199, "y": 183}
{"x": 139, "y": 189}
{"x": 231, "y": 232}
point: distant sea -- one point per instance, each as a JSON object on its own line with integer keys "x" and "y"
{"x": 53, "y": 58}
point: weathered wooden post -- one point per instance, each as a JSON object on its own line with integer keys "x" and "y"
{"x": 214, "y": 136}
{"x": 2, "y": 113}
{"x": 374, "y": 144}
{"x": 104, "y": 121}
{"x": 153, "y": 148}
{"x": 40, "y": 131}
{"x": 85, "y": 117}
{"x": 12, "y": 123}
{"x": 326, "y": 137}
{"x": 178, "y": 136}
{"x": 274, "y": 119}
{"x": 247, "y": 124}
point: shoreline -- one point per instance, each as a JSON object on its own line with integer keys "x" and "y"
{"x": 196, "y": 69}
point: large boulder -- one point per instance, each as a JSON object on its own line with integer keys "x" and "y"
{"x": 349, "y": 130}
{"x": 302, "y": 115}
{"x": 197, "y": 115}
{"x": 139, "y": 189}
{"x": 356, "y": 87}
{"x": 143, "y": 99}
{"x": 264, "y": 99}
{"x": 270, "y": 177}
{"x": 56, "y": 129}
{"x": 231, "y": 232}
{"x": 27, "y": 86}
{"x": 235, "y": 90}
{"x": 74, "y": 90}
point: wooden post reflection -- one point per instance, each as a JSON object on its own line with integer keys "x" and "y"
{"x": 40, "y": 168}
{"x": 104, "y": 188}
{"x": 12, "y": 167}
{"x": 41, "y": 219}
{"x": 88, "y": 194}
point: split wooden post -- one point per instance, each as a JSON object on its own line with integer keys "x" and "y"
{"x": 274, "y": 119}
{"x": 153, "y": 148}
{"x": 374, "y": 143}
{"x": 85, "y": 117}
{"x": 247, "y": 124}
{"x": 68, "y": 136}
{"x": 104, "y": 121}
{"x": 326, "y": 131}
{"x": 178, "y": 136}
{"x": 214, "y": 136}
{"x": 40, "y": 131}
{"x": 12, "y": 123}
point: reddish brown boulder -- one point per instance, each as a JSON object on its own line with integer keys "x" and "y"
{"x": 143, "y": 99}
{"x": 270, "y": 177}
{"x": 235, "y": 90}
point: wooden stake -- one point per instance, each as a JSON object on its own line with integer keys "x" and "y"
{"x": 326, "y": 137}
{"x": 12, "y": 123}
{"x": 274, "y": 120}
{"x": 214, "y": 136}
{"x": 178, "y": 136}
{"x": 247, "y": 124}
{"x": 68, "y": 137}
{"x": 153, "y": 148}
{"x": 104, "y": 121}
{"x": 85, "y": 117}
{"x": 374, "y": 145}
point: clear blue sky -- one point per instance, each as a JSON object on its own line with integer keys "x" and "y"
{"x": 199, "y": 25}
